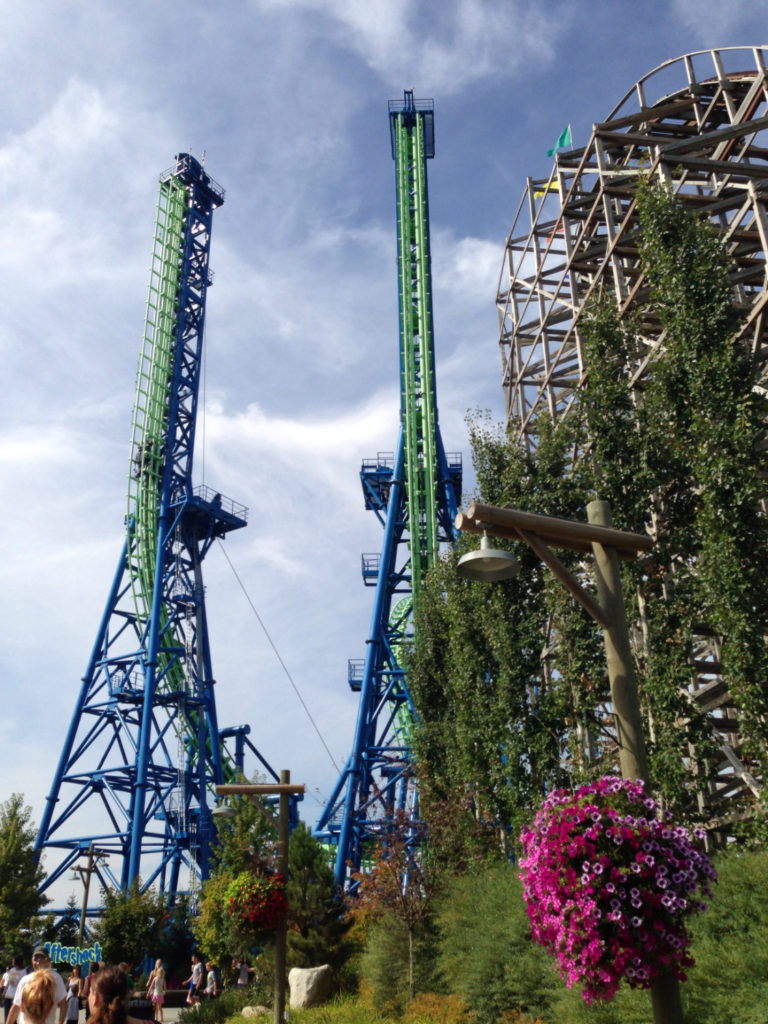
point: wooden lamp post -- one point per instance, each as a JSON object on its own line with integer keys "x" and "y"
{"x": 607, "y": 545}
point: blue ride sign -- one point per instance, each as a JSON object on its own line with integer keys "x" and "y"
{"x": 72, "y": 954}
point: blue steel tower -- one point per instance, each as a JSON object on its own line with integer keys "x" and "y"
{"x": 414, "y": 494}
{"x": 144, "y": 750}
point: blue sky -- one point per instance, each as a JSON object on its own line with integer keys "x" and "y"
{"x": 288, "y": 99}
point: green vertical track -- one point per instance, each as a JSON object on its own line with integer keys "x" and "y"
{"x": 416, "y": 348}
{"x": 153, "y": 394}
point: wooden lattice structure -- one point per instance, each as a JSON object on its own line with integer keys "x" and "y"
{"x": 701, "y": 122}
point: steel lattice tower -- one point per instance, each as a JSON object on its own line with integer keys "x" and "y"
{"x": 144, "y": 750}
{"x": 699, "y": 122}
{"x": 414, "y": 494}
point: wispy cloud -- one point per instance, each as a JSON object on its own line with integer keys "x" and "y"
{"x": 470, "y": 40}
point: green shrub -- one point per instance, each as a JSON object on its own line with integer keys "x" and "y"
{"x": 729, "y": 984}
{"x": 629, "y": 1006}
{"x": 341, "y": 1010}
{"x": 486, "y": 954}
{"x": 384, "y": 962}
{"x": 230, "y": 1002}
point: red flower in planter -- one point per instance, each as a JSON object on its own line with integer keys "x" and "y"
{"x": 258, "y": 901}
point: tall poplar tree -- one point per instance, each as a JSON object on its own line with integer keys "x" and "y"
{"x": 509, "y": 679}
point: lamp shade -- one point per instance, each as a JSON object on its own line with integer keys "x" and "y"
{"x": 488, "y": 563}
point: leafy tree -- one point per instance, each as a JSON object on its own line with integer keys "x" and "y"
{"x": 493, "y": 720}
{"x": 20, "y": 876}
{"x": 246, "y": 842}
{"x": 131, "y": 924}
{"x": 399, "y": 884}
{"x": 211, "y": 926}
{"x": 316, "y": 924}
{"x": 509, "y": 679}
{"x": 680, "y": 455}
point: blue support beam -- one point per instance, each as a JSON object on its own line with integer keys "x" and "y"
{"x": 144, "y": 751}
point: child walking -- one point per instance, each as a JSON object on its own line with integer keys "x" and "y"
{"x": 156, "y": 989}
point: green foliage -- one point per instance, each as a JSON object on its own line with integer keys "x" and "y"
{"x": 131, "y": 924}
{"x": 211, "y": 927}
{"x": 680, "y": 455}
{"x": 495, "y": 725}
{"x": 229, "y": 1004}
{"x": 316, "y": 925}
{"x": 386, "y": 962}
{"x": 69, "y": 926}
{"x": 486, "y": 954}
{"x": 342, "y": 1010}
{"x": 20, "y": 876}
{"x": 508, "y": 679}
{"x": 729, "y": 984}
{"x": 245, "y": 842}
{"x": 399, "y": 887}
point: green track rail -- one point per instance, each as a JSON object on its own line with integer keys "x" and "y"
{"x": 153, "y": 393}
{"x": 416, "y": 348}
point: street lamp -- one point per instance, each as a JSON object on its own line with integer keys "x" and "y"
{"x": 606, "y": 544}
{"x": 488, "y": 563}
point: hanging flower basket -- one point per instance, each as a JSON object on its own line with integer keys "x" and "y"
{"x": 256, "y": 902}
{"x": 609, "y": 881}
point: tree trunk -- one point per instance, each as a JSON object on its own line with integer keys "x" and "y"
{"x": 411, "y": 985}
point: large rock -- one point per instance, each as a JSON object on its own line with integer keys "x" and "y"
{"x": 255, "y": 1011}
{"x": 310, "y": 986}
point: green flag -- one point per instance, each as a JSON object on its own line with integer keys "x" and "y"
{"x": 563, "y": 139}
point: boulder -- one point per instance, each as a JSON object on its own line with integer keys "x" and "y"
{"x": 310, "y": 986}
{"x": 255, "y": 1011}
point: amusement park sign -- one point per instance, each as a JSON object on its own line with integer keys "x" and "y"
{"x": 72, "y": 954}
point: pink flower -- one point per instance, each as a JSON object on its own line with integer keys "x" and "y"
{"x": 578, "y": 858}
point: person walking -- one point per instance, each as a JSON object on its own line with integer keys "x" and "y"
{"x": 11, "y": 979}
{"x": 156, "y": 986}
{"x": 211, "y": 982}
{"x": 195, "y": 981}
{"x": 41, "y": 963}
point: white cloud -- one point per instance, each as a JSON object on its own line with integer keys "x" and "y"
{"x": 469, "y": 41}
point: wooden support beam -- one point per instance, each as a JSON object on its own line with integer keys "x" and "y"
{"x": 562, "y": 533}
